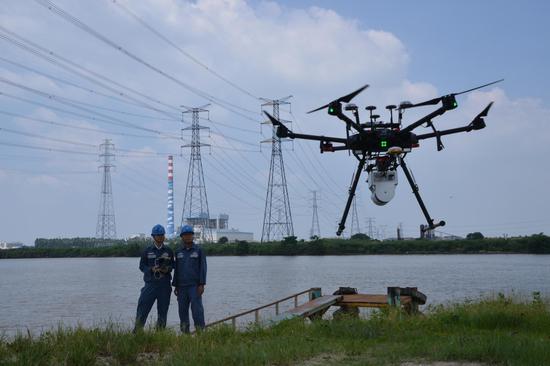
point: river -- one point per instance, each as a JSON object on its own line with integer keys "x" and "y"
{"x": 39, "y": 294}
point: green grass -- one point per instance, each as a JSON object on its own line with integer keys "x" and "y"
{"x": 496, "y": 331}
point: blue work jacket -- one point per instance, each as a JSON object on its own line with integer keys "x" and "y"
{"x": 150, "y": 257}
{"x": 190, "y": 267}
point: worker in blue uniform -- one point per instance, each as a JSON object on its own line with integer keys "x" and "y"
{"x": 156, "y": 263}
{"x": 189, "y": 280}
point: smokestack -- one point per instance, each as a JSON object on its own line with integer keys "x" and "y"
{"x": 170, "y": 220}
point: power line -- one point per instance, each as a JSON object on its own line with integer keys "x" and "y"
{"x": 77, "y": 69}
{"x": 33, "y": 135}
{"x": 70, "y": 83}
{"x": 83, "y": 128}
{"x": 34, "y": 147}
{"x": 77, "y": 22}
{"x": 71, "y": 103}
{"x": 183, "y": 52}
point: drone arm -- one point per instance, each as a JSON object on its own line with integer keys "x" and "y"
{"x": 477, "y": 124}
{"x": 444, "y": 132}
{"x": 356, "y": 126}
{"x": 414, "y": 187}
{"x": 342, "y": 224}
{"x": 421, "y": 121}
{"x": 301, "y": 136}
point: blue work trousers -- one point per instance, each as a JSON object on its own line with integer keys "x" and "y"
{"x": 189, "y": 295}
{"x": 159, "y": 292}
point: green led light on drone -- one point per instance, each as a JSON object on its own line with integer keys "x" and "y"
{"x": 331, "y": 110}
{"x": 383, "y": 143}
{"x": 455, "y": 104}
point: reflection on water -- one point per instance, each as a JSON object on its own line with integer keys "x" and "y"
{"x": 41, "y": 293}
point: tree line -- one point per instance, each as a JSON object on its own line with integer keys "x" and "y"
{"x": 88, "y": 247}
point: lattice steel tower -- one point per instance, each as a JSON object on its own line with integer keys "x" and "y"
{"x": 106, "y": 227}
{"x": 354, "y": 228}
{"x": 277, "y": 216}
{"x": 315, "y": 228}
{"x": 195, "y": 204}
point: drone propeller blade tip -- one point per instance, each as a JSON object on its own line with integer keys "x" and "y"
{"x": 318, "y": 109}
{"x": 479, "y": 87}
{"x": 273, "y": 120}
{"x": 350, "y": 96}
{"x": 346, "y": 98}
{"x": 486, "y": 110}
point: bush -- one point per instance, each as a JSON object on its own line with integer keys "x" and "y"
{"x": 475, "y": 236}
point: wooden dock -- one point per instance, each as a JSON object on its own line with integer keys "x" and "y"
{"x": 406, "y": 298}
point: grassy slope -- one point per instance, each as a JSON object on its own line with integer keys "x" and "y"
{"x": 494, "y": 331}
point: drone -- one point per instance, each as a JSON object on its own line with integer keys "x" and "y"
{"x": 381, "y": 147}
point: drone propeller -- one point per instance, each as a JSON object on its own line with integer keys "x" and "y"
{"x": 452, "y": 95}
{"x": 282, "y": 130}
{"x": 345, "y": 98}
{"x": 478, "y": 123}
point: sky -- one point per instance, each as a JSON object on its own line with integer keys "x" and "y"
{"x": 64, "y": 90}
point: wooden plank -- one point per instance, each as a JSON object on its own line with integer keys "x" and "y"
{"x": 314, "y": 306}
{"x": 369, "y": 301}
{"x": 309, "y": 308}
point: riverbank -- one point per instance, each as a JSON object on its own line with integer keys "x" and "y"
{"x": 534, "y": 244}
{"x": 500, "y": 330}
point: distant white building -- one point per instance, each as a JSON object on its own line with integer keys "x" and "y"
{"x": 4, "y": 245}
{"x": 232, "y": 235}
{"x": 138, "y": 236}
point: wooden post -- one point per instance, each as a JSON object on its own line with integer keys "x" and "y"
{"x": 234, "y": 323}
{"x": 295, "y": 301}
{"x": 394, "y": 296}
{"x": 276, "y": 308}
{"x": 314, "y": 293}
{"x": 257, "y": 316}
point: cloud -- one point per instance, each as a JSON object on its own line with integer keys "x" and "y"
{"x": 272, "y": 50}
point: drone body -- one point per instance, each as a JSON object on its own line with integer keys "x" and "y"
{"x": 381, "y": 147}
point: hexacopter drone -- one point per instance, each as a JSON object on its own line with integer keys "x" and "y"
{"x": 381, "y": 147}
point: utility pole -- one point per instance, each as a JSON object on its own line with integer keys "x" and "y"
{"x": 195, "y": 204}
{"x": 106, "y": 227}
{"x": 315, "y": 228}
{"x": 277, "y": 216}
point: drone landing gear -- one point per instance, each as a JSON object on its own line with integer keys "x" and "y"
{"x": 342, "y": 224}
{"x": 414, "y": 187}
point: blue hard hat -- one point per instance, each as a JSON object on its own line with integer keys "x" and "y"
{"x": 158, "y": 230}
{"x": 186, "y": 229}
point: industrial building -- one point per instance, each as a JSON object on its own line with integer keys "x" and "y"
{"x": 232, "y": 235}
{"x": 4, "y": 245}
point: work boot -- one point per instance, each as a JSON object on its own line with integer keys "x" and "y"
{"x": 184, "y": 327}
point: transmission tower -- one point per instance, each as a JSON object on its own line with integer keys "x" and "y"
{"x": 106, "y": 227}
{"x": 370, "y": 225}
{"x": 277, "y": 216}
{"x": 354, "y": 229}
{"x": 315, "y": 228}
{"x": 195, "y": 204}
{"x": 170, "y": 219}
